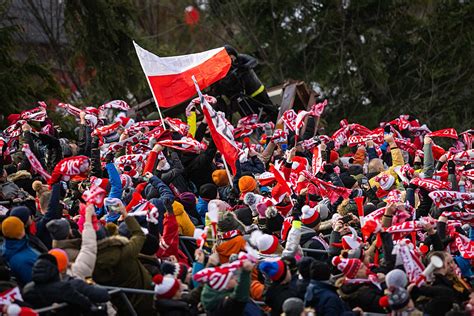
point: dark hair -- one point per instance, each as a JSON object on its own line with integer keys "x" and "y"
{"x": 319, "y": 271}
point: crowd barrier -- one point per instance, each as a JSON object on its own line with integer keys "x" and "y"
{"x": 113, "y": 290}
{"x": 122, "y": 291}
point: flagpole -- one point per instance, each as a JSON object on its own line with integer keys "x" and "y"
{"x": 227, "y": 171}
{"x": 149, "y": 85}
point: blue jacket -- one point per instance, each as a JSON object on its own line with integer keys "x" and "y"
{"x": 166, "y": 196}
{"x": 324, "y": 299}
{"x": 201, "y": 208}
{"x": 54, "y": 211}
{"x": 21, "y": 258}
{"x": 115, "y": 190}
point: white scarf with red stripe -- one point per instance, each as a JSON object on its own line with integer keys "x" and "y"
{"x": 145, "y": 208}
{"x": 177, "y": 125}
{"x": 34, "y": 162}
{"x": 114, "y": 147}
{"x": 444, "y": 199}
{"x": 401, "y": 230}
{"x": 90, "y": 117}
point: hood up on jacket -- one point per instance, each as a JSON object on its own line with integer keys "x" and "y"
{"x": 45, "y": 270}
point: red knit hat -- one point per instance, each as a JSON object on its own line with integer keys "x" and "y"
{"x": 275, "y": 270}
{"x": 100, "y": 182}
{"x": 333, "y": 156}
{"x": 347, "y": 266}
{"x": 165, "y": 286}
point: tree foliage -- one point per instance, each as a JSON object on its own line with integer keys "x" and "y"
{"x": 373, "y": 59}
{"x": 21, "y": 81}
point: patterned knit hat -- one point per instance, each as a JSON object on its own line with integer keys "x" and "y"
{"x": 386, "y": 181}
{"x": 347, "y": 266}
{"x": 310, "y": 216}
{"x": 177, "y": 270}
{"x": 165, "y": 286}
{"x": 275, "y": 270}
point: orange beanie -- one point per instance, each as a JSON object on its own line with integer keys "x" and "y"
{"x": 61, "y": 259}
{"x": 220, "y": 178}
{"x": 13, "y": 227}
{"x": 247, "y": 184}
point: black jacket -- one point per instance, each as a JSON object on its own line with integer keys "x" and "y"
{"x": 365, "y": 296}
{"x": 47, "y": 289}
{"x": 276, "y": 295}
{"x": 174, "y": 308}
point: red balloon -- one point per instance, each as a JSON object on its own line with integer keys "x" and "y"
{"x": 191, "y": 15}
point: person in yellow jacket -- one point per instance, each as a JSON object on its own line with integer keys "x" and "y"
{"x": 185, "y": 226}
{"x": 376, "y": 164}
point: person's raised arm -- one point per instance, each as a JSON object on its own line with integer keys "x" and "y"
{"x": 428, "y": 160}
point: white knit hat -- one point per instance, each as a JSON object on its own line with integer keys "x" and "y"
{"x": 266, "y": 244}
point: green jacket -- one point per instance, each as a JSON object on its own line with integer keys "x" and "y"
{"x": 210, "y": 298}
{"x": 117, "y": 264}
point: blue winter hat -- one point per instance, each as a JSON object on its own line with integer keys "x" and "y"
{"x": 22, "y": 212}
{"x": 275, "y": 270}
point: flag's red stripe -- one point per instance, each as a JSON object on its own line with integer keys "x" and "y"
{"x": 171, "y": 90}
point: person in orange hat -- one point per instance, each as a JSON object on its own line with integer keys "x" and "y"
{"x": 16, "y": 250}
{"x": 247, "y": 184}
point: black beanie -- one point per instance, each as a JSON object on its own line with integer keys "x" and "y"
{"x": 244, "y": 215}
{"x": 320, "y": 271}
{"x": 208, "y": 191}
{"x": 347, "y": 180}
{"x": 304, "y": 267}
{"x": 150, "y": 246}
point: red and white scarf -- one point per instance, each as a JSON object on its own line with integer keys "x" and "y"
{"x": 406, "y": 255}
{"x": 465, "y": 217}
{"x": 430, "y": 184}
{"x": 340, "y": 136}
{"x": 14, "y": 130}
{"x": 464, "y": 245}
{"x": 229, "y": 234}
{"x": 106, "y": 130}
{"x": 318, "y": 108}
{"x": 187, "y": 144}
{"x": 289, "y": 119}
{"x": 372, "y": 279}
{"x": 138, "y": 126}
{"x": 177, "y": 125}
{"x": 115, "y": 104}
{"x": 406, "y": 145}
{"x": 401, "y": 230}
{"x": 90, "y": 117}
{"x": 447, "y": 132}
{"x": 463, "y": 156}
{"x": 468, "y": 138}
{"x": 114, "y": 147}
{"x": 68, "y": 167}
{"x": 37, "y": 114}
{"x": 95, "y": 195}
{"x": 35, "y": 164}
{"x": 134, "y": 161}
{"x": 444, "y": 199}
{"x": 328, "y": 189}
{"x": 145, "y": 208}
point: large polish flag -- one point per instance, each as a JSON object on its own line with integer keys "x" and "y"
{"x": 170, "y": 77}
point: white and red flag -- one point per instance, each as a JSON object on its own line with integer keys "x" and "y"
{"x": 170, "y": 77}
{"x": 222, "y": 131}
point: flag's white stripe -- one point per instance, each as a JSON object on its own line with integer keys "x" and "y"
{"x": 160, "y": 66}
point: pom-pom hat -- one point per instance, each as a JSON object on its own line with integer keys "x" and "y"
{"x": 165, "y": 286}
